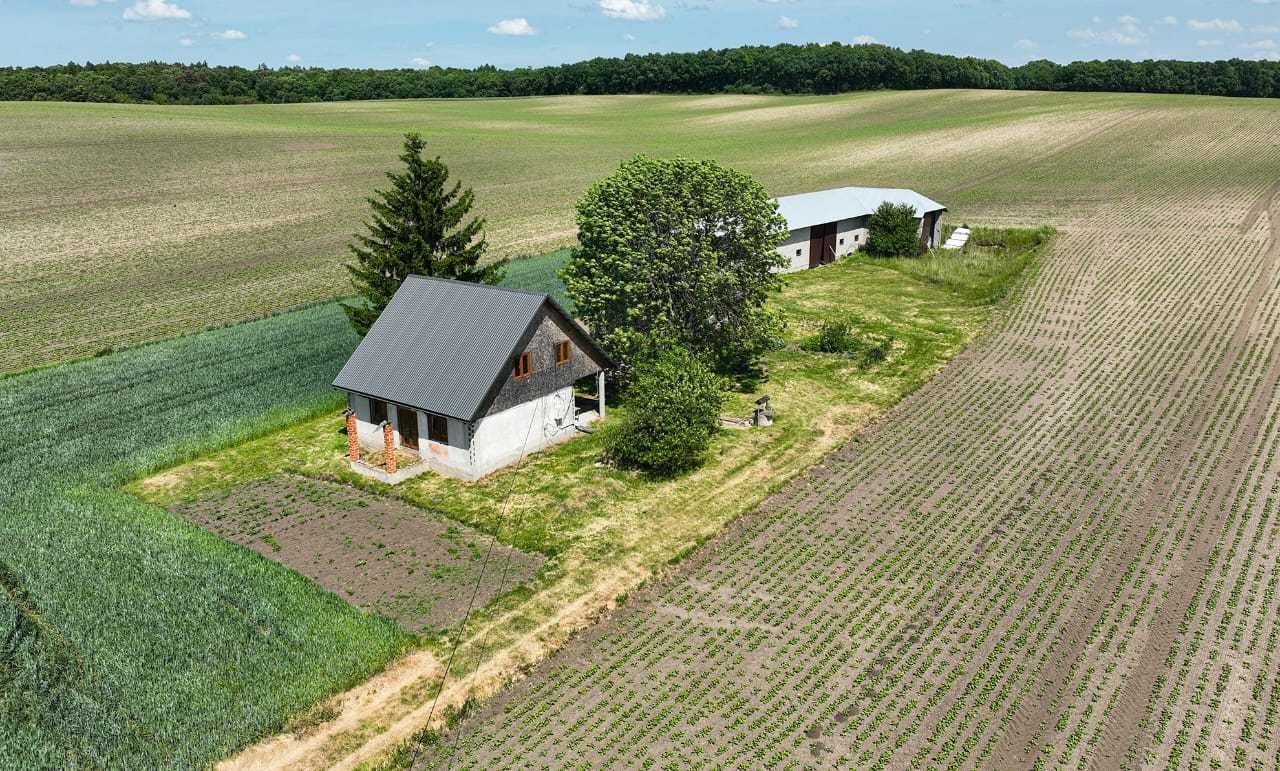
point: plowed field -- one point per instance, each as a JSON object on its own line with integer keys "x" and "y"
{"x": 1062, "y": 552}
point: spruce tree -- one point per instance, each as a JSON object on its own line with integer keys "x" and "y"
{"x": 418, "y": 227}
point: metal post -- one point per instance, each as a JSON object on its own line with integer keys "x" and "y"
{"x": 600, "y": 392}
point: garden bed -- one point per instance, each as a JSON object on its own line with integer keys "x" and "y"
{"x": 380, "y": 554}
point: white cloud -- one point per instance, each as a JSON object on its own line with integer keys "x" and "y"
{"x": 86, "y": 3}
{"x": 186, "y": 42}
{"x": 864, "y": 40}
{"x": 1168, "y": 21}
{"x": 627, "y": 36}
{"x": 229, "y": 34}
{"x": 1128, "y": 33}
{"x": 1262, "y": 45}
{"x": 1026, "y": 44}
{"x": 1265, "y": 29}
{"x": 787, "y": 22}
{"x": 419, "y": 61}
{"x": 293, "y": 58}
{"x": 519, "y": 27}
{"x": 1208, "y": 43}
{"x": 1215, "y": 25}
{"x": 631, "y": 10}
{"x": 155, "y": 10}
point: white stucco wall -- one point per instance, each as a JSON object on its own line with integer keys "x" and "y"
{"x": 456, "y": 454}
{"x": 499, "y": 439}
{"x": 851, "y": 236}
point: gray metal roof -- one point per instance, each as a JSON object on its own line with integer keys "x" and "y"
{"x": 842, "y": 203}
{"x": 441, "y": 345}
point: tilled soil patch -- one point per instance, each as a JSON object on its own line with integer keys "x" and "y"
{"x": 414, "y": 567}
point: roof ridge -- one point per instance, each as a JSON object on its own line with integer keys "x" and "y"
{"x": 511, "y": 289}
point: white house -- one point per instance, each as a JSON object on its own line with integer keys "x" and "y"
{"x": 828, "y": 224}
{"x": 471, "y": 377}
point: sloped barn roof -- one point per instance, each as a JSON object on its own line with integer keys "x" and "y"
{"x": 446, "y": 346}
{"x": 842, "y": 203}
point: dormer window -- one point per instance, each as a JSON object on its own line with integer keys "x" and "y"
{"x": 524, "y": 366}
{"x": 562, "y": 352}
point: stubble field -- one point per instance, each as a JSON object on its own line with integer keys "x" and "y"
{"x": 122, "y": 224}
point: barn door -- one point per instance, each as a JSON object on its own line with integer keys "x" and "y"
{"x": 822, "y": 244}
{"x": 817, "y": 235}
{"x": 408, "y": 420}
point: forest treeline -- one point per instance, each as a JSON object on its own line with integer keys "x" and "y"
{"x": 789, "y": 69}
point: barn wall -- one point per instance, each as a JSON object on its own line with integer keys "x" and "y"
{"x": 796, "y": 250}
{"x": 853, "y": 232}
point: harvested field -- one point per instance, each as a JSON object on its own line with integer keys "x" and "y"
{"x": 377, "y": 553}
{"x": 1062, "y": 552}
{"x": 190, "y": 217}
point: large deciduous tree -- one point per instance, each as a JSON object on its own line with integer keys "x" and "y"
{"x": 681, "y": 250}
{"x": 419, "y": 226}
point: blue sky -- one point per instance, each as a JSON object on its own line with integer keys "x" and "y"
{"x": 381, "y": 33}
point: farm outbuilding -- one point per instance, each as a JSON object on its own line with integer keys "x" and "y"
{"x": 469, "y": 378}
{"x": 828, "y": 224}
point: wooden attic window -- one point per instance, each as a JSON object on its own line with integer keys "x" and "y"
{"x": 562, "y": 352}
{"x": 524, "y": 367}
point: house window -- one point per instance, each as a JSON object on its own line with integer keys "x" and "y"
{"x": 842, "y": 242}
{"x": 562, "y": 352}
{"x": 438, "y": 428}
{"x": 855, "y": 239}
{"x": 377, "y": 411}
{"x": 798, "y": 252}
{"x": 524, "y": 367}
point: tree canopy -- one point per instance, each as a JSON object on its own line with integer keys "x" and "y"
{"x": 673, "y": 411}
{"x": 893, "y": 230}
{"x": 417, "y": 227}
{"x": 811, "y": 68}
{"x": 682, "y": 249}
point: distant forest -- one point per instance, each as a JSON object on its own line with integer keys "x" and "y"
{"x": 784, "y": 69}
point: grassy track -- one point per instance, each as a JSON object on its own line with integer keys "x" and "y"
{"x": 125, "y": 224}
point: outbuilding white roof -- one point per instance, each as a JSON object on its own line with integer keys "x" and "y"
{"x": 842, "y": 203}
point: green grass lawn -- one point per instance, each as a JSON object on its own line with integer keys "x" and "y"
{"x": 590, "y": 518}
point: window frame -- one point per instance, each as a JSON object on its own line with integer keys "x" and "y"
{"x": 524, "y": 366}
{"x": 435, "y": 421}
{"x": 564, "y": 353}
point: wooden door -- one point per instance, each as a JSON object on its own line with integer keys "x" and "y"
{"x": 817, "y": 235}
{"x": 829, "y": 245}
{"x": 408, "y": 420}
{"x": 926, "y": 230}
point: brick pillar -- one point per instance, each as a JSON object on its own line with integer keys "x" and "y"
{"x": 389, "y": 446}
{"x": 353, "y": 437}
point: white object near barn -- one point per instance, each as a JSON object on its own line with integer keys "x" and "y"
{"x": 828, "y": 224}
{"x": 469, "y": 378}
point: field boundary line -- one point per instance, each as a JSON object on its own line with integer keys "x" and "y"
{"x": 1259, "y": 208}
